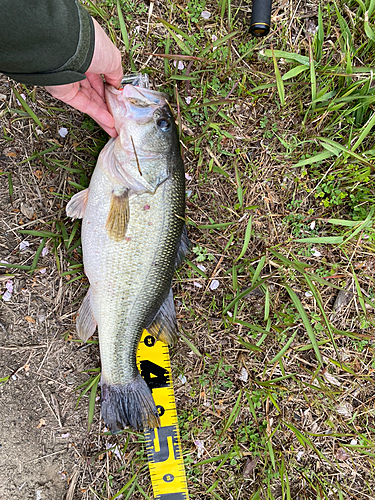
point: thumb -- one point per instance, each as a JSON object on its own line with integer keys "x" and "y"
{"x": 115, "y": 77}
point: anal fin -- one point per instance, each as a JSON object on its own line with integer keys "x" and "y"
{"x": 85, "y": 323}
{"x": 77, "y": 205}
{"x": 164, "y": 325}
{"x": 118, "y": 216}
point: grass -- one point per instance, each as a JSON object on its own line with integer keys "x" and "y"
{"x": 278, "y": 143}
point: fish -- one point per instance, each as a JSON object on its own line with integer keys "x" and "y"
{"x": 133, "y": 238}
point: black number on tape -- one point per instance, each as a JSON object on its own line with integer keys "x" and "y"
{"x": 161, "y": 410}
{"x": 155, "y": 376}
{"x": 168, "y": 478}
{"x": 158, "y": 438}
{"x": 149, "y": 341}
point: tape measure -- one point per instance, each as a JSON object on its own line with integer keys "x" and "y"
{"x": 163, "y": 444}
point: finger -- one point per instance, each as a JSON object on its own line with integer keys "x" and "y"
{"x": 106, "y": 58}
{"x": 86, "y": 104}
{"x": 115, "y": 77}
{"x": 96, "y": 82}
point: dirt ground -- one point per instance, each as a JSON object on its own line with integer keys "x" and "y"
{"x": 42, "y": 436}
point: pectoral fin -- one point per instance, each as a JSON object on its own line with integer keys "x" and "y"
{"x": 118, "y": 217}
{"x": 164, "y": 325}
{"x": 85, "y": 323}
{"x": 77, "y": 205}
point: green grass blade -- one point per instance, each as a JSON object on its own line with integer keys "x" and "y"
{"x": 174, "y": 31}
{"x": 279, "y": 81}
{"x": 125, "y": 487}
{"x": 332, "y": 240}
{"x": 291, "y": 56}
{"x": 27, "y": 108}
{"x": 365, "y": 132}
{"x": 93, "y": 392}
{"x": 251, "y": 347}
{"x": 312, "y": 76}
{"x": 247, "y": 238}
{"x": 267, "y": 304}
{"x": 37, "y": 254}
{"x": 314, "y": 159}
{"x": 124, "y": 31}
{"x": 258, "y": 269}
{"x": 319, "y": 38}
{"x": 281, "y": 353}
{"x": 234, "y": 414}
{"x": 306, "y": 322}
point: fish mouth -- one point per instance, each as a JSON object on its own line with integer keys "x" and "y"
{"x": 133, "y": 103}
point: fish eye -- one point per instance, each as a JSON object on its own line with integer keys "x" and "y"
{"x": 163, "y": 124}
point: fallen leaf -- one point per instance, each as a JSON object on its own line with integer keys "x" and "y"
{"x": 342, "y": 454}
{"x": 11, "y": 154}
{"x": 345, "y": 409}
{"x": 24, "y": 244}
{"x": 331, "y": 379}
{"x": 200, "y": 448}
{"x": 249, "y": 466}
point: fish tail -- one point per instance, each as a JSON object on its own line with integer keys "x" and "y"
{"x": 130, "y": 404}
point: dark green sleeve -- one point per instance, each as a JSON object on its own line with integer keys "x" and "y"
{"x": 45, "y": 42}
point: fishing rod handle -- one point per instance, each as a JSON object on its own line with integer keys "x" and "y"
{"x": 260, "y": 17}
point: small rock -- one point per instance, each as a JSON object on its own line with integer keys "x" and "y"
{"x": 27, "y": 210}
{"x": 63, "y": 132}
{"x": 214, "y": 284}
{"x": 244, "y": 376}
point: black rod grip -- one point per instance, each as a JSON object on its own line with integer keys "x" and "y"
{"x": 260, "y": 17}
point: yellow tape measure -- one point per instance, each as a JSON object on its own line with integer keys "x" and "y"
{"x": 163, "y": 444}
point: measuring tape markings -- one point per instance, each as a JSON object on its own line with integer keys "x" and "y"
{"x": 163, "y": 445}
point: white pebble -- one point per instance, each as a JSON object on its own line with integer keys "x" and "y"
{"x": 63, "y": 132}
{"x": 214, "y": 284}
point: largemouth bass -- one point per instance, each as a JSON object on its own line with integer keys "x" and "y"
{"x": 133, "y": 238}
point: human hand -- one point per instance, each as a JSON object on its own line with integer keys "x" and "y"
{"x": 88, "y": 95}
